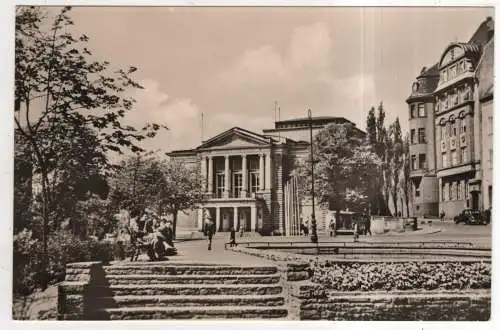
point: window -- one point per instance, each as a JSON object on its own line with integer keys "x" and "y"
{"x": 444, "y": 160}
{"x": 417, "y": 192}
{"x": 443, "y": 133}
{"x": 454, "y": 129}
{"x": 413, "y": 162}
{"x": 421, "y": 135}
{"x": 413, "y": 111}
{"x": 254, "y": 181}
{"x": 454, "y": 159}
{"x": 421, "y": 161}
{"x": 490, "y": 160}
{"x": 445, "y": 192}
{"x": 219, "y": 183}
{"x": 450, "y": 191}
{"x": 237, "y": 184}
{"x": 412, "y": 136}
{"x": 459, "y": 191}
{"x": 421, "y": 110}
{"x": 464, "y": 154}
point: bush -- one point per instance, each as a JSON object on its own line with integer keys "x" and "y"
{"x": 63, "y": 248}
{"x": 402, "y": 276}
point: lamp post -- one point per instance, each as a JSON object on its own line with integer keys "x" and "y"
{"x": 314, "y": 234}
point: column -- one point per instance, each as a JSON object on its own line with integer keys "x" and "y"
{"x": 253, "y": 217}
{"x": 235, "y": 217}
{"x": 226, "y": 177}
{"x": 217, "y": 218}
{"x": 268, "y": 172}
{"x": 210, "y": 174}
{"x": 200, "y": 218}
{"x": 261, "y": 171}
{"x": 204, "y": 173}
{"x": 245, "y": 175}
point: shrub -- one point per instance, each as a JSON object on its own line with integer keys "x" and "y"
{"x": 63, "y": 248}
{"x": 402, "y": 276}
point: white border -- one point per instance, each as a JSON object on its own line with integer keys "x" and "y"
{"x": 6, "y": 168}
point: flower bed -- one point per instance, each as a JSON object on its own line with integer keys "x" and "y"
{"x": 401, "y": 276}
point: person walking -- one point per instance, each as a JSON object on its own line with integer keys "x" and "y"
{"x": 367, "y": 223}
{"x": 209, "y": 232}
{"x": 441, "y": 215}
{"x": 232, "y": 237}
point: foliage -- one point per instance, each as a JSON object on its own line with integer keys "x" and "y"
{"x": 402, "y": 276}
{"x": 405, "y": 178}
{"x": 343, "y": 167}
{"x": 63, "y": 248}
{"x": 396, "y": 161}
{"x": 165, "y": 186}
{"x": 68, "y": 108}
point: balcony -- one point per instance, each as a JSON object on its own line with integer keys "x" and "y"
{"x": 463, "y": 139}
{"x": 443, "y": 146}
{"x": 233, "y": 195}
{"x": 453, "y": 143}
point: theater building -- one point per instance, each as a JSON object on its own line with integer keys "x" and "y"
{"x": 245, "y": 175}
{"x": 451, "y": 116}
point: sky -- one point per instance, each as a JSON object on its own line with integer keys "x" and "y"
{"x": 233, "y": 64}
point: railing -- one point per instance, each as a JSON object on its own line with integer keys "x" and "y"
{"x": 234, "y": 195}
{"x": 388, "y": 249}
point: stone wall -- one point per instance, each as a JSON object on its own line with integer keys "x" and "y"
{"x": 75, "y": 292}
{"x": 311, "y": 301}
{"x": 318, "y": 304}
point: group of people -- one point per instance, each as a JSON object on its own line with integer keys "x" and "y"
{"x": 153, "y": 231}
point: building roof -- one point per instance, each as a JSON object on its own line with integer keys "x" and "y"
{"x": 485, "y": 71}
{"x": 314, "y": 119}
{"x": 484, "y": 32}
{"x": 430, "y": 72}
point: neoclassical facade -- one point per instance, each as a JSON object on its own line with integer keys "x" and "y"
{"x": 245, "y": 174}
{"x": 447, "y": 135}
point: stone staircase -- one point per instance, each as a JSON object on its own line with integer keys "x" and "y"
{"x": 182, "y": 291}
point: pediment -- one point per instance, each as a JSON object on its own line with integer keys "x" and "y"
{"x": 235, "y": 138}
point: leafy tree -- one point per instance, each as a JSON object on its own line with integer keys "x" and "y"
{"x": 137, "y": 183}
{"x": 396, "y": 161}
{"x": 405, "y": 178}
{"x": 165, "y": 186}
{"x": 378, "y": 138}
{"x": 23, "y": 172}
{"x": 181, "y": 190}
{"x": 58, "y": 86}
{"x": 344, "y": 167}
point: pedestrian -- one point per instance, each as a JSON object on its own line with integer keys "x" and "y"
{"x": 356, "y": 234}
{"x": 209, "y": 232}
{"x": 242, "y": 230}
{"x": 441, "y": 215}
{"x": 367, "y": 221}
{"x": 332, "y": 227}
{"x": 232, "y": 237}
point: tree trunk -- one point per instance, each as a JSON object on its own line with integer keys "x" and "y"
{"x": 337, "y": 218}
{"x": 395, "y": 201}
{"x": 407, "y": 199}
{"x": 174, "y": 229}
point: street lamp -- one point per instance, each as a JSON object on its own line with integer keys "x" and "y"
{"x": 314, "y": 234}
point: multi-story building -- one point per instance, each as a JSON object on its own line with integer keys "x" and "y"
{"x": 450, "y": 106}
{"x": 245, "y": 174}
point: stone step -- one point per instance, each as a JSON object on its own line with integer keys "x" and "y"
{"x": 193, "y": 279}
{"x": 193, "y": 289}
{"x": 201, "y": 312}
{"x": 178, "y": 301}
{"x": 166, "y": 269}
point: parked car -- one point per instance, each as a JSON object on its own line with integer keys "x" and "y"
{"x": 470, "y": 217}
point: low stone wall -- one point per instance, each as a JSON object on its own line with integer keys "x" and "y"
{"x": 318, "y": 304}
{"x": 381, "y": 225}
{"x": 312, "y": 301}
{"x": 75, "y": 292}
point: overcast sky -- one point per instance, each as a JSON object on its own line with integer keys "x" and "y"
{"x": 232, "y": 64}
